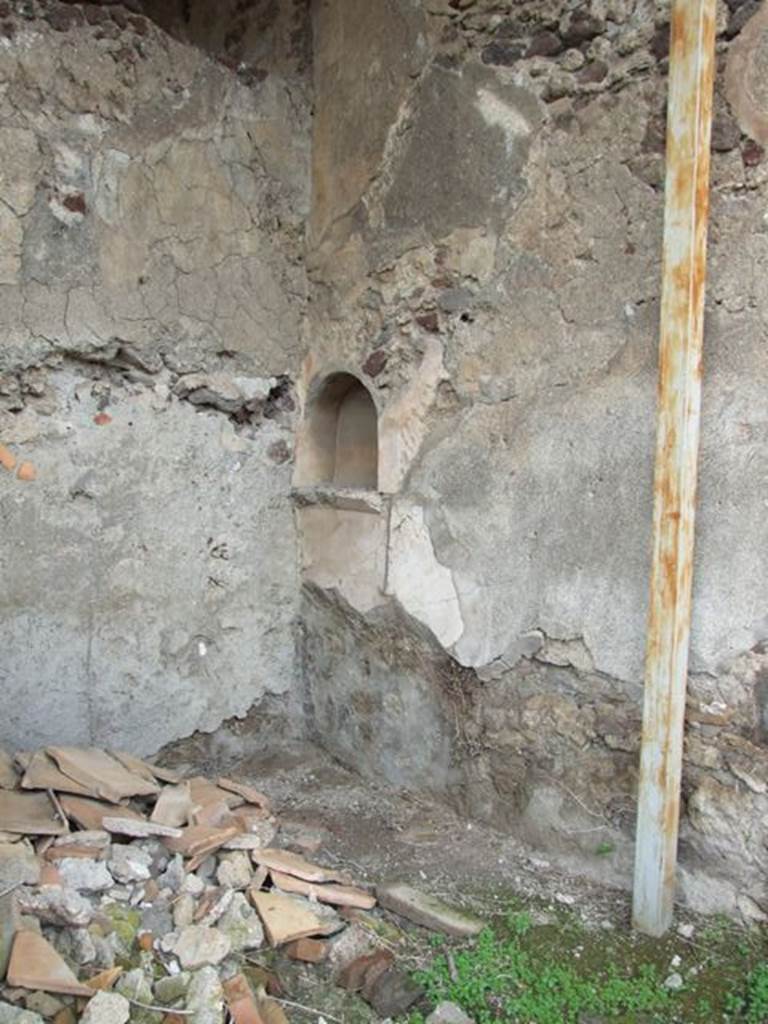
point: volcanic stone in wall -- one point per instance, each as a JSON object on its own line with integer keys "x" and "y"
{"x": 478, "y": 131}
{"x": 747, "y": 77}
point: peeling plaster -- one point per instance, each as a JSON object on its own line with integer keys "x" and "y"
{"x": 423, "y": 586}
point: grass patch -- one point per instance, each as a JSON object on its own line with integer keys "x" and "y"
{"x": 561, "y": 973}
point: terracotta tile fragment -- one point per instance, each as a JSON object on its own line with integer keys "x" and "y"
{"x": 283, "y": 918}
{"x": 206, "y": 792}
{"x": 102, "y": 774}
{"x": 248, "y": 793}
{"x": 43, "y": 773}
{"x": 173, "y": 806}
{"x": 104, "y": 980}
{"x": 35, "y": 964}
{"x": 145, "y": 769}
{"x": 26, "y": 471}
{"x": 90, "y": 814}
{"x": 30, "y": 814}
{"x": 339, "y": 895}
{"x": 216, "y": 815}
{"x": 364, "y": 970}
{"x": 292, "y": 864}
{"x": 310, "y": 951}
{"x": 197, "y": 839}
{"x": 241, "y": 1001}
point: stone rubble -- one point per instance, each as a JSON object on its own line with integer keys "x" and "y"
{"x": 107, "y": 1008}
{"x": 111, "y": 915}
{"x": 448, "y": 1013}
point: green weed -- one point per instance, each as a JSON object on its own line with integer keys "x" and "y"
{"x": 605, "y": 849}
{"x": 497, "y": 980}
{"x": 560, "y": 973}
{"x": 751, "y": 1008}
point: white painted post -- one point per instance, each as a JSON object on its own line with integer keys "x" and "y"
{"x": 691, "y": 73}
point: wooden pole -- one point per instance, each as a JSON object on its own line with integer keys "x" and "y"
{"x": 689, "y": 120}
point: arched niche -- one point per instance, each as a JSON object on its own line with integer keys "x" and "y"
{"x": 341, "y": 436}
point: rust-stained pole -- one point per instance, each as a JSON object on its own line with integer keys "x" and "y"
{"x": 689, "y": 120}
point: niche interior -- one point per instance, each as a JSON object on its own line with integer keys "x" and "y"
{"x": 342, "y": 516}
{"x": 341, "y": 442}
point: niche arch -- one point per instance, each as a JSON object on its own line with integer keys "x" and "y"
{"x": 341, "y": 435}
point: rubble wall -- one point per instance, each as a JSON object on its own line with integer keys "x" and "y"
{"x": 486, "y": 232}
{"x": 153, "y": 195}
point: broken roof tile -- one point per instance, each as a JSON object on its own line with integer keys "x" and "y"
{"x": 42, "y": 772}
{"x": 283, "y": 918}
{"x": 293, "y": 864}
{"x": 241, "y": 1001}
{"x": 102, "y": 774}
{"x": 89, "y": 814}
{"x": 205, "y": 792}
{"x": 145, "y": 769}
{"x": 339, "y": 895}
{"x": 310, "y": 951}
{"x": 197, "y": 839}
{"x": 29, "y": 813}
{"x": 173, "y": 806}
{"x": 248, "y": 793}
{"x": 36, "y": 965}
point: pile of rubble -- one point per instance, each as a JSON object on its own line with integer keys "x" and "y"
{"x": 128, "y": 892}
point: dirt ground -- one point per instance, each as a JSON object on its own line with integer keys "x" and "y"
{"x": 382, "y": 834}
{"x": 379, "y": 835}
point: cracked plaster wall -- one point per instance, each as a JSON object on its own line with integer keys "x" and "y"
{"x": 153, "y": 195}
{"x": 496, "y": 196}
